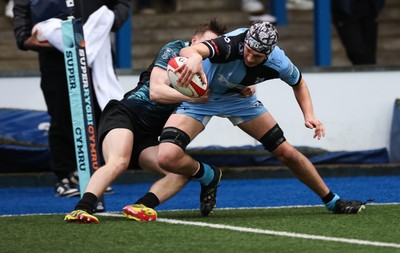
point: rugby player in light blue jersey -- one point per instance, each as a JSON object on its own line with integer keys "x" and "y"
{"x": 234, "y": 61}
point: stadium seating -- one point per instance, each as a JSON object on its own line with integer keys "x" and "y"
{"x": 150, "y": 32}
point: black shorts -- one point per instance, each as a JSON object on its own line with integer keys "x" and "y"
{"x": 115, "y": 115}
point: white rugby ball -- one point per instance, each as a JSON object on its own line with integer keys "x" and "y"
{"x": 196, "y": 87}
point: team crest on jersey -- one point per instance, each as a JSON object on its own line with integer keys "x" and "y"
{"x": 168, "y": 53}
{"x": 259, "y": 80}
{"x": 258, "y": 104}
{"x": 241, "y": 48}
{"x": 275, "y": 61}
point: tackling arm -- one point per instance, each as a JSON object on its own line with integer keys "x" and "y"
{"x": 161, "y": 92}
{"x": 195, "y": 54}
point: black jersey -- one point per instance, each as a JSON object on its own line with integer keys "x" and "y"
{"x": 138, "y": 101}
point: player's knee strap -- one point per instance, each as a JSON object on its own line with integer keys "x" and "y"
{"x": 176, "y": 136}
{"x": 273, "y": 138}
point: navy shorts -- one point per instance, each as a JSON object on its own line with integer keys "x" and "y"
{"x": 116, "y": 115}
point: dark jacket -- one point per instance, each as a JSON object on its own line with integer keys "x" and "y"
{"x": 347, "y": 6}
{"x": 50, "y": 60}
{"x": 23, "y": 24}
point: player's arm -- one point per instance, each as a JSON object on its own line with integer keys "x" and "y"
{"x": 161, "y": 92}
{"x": 303, "y": 98}
{"x": 194, "y": 50}
{"x": 195, "y": 54}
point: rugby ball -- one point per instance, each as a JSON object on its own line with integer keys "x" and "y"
{"x": 196, "y": 87}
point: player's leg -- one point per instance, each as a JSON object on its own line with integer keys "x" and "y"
{"x": 265, "y": 129}
{"x": 170, "y": 184}
{"x": 176, "y": 135}
{"x": 162, "y": 190}
{"x": 178, "y": 132}
{"x": 117, "y": 148}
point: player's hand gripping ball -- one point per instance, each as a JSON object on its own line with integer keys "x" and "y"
{"x": 196, "y": 87}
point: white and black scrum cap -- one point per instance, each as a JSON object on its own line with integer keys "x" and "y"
{"x": 262, "y": 37}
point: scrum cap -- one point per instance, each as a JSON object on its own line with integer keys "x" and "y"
{"x": 262, "y": 37}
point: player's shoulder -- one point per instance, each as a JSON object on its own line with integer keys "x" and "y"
{"x": 169, "y": 51}
{"x": 228, "y": 47}
{"x": 278, "y": 59}
{"x": 288, "y": 72}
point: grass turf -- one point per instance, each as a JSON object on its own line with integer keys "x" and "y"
{"x": 49, "y": 233}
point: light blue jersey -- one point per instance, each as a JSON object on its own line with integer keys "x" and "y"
{"x": 227, "y": 75}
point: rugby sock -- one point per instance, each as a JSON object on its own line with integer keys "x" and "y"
{"x": 328, "y": 197}
{"x": 330, "y": 200}
{"x": 199, "y": 172}
{"x": 87, "y": 202}
{"x": 149, "y": 200}
{"x": 205, "y": 174}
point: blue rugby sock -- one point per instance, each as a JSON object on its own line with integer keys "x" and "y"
{"x": 205, "y": 174}
{"x": 331, "y": 204}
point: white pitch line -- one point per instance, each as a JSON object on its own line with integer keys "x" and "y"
{"x": 271, "y": 232}
{"x": 261, "y": 231}
{"x": 281, "y": 233}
